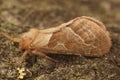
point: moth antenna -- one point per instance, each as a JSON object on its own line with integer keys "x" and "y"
{"x": 11, "y": 38}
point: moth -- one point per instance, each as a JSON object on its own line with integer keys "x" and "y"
{"x": 84, "y": 36}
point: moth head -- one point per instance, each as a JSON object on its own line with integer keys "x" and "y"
{"x": 24, "y": 44}
{"x": 27, "y": 39}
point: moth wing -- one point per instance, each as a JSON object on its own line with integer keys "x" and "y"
{"x": 66, "y": 41}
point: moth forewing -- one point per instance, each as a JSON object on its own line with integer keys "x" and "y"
{"x": 81, "y": 36}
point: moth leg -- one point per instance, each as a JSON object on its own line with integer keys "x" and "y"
{"x": 43, "y": 55}
{"x": 9, "y": 37}
{"x": 22, "y": 58}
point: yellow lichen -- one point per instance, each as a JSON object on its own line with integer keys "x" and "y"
{"x": 21, "y": 73}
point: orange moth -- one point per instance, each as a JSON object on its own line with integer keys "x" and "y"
{"x": 84, "y": 36}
